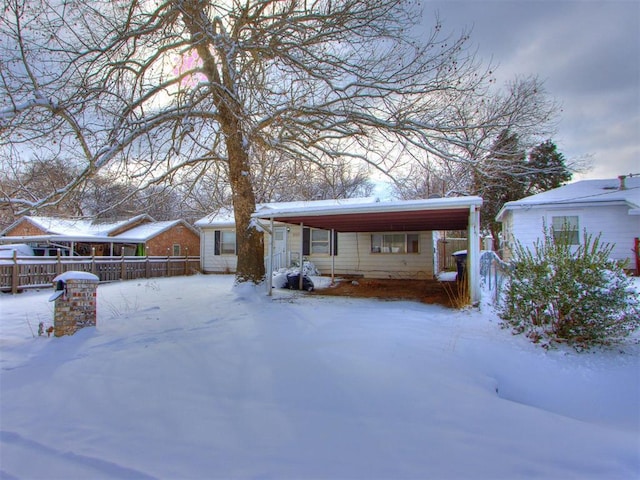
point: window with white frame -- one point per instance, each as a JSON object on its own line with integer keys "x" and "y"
{"x": 176, "y": 250}
{"x": 566, "y": 229}
{"x": 319, "y": 241}
{"x": 395, "y": 243}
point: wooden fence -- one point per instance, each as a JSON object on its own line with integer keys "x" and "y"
{"x": 18, "y": 273}
{"x": 446, "y": 247}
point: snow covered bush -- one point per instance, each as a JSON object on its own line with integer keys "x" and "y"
{"x": 574, "y": 294}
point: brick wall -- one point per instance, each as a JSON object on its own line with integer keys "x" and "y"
{"x": 25, "y": 228}
{"x": 181, "y": 235}
{"x": 75, "y": 309}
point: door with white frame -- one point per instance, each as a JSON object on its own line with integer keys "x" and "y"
{"x": 280, "y": 247}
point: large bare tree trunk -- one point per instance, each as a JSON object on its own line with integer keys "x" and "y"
{"x": 250, "y": 244}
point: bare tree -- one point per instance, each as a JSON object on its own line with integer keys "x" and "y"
{"x": 166, "y": 86}
{"x": 523, "y": 108}
{"x": 33, "y": 179}
{"x": 288, "y": 179}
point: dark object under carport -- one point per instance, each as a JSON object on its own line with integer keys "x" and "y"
{"x": 461, "y": 263}
{"x": 293, "y": 282}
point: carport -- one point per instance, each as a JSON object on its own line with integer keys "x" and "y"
{"x": 458, "y": 213}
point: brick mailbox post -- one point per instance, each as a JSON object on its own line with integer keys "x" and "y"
{"x": 75, "y": 302}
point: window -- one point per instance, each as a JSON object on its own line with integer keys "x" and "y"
{"x": 565, "y": 230}
{"x": 395, "y": 243}
{"x": 224, "y": 242}
{"x": 228, "y": 243}
{"x": 319, "y": 242}
{"x": 176, "y": 250}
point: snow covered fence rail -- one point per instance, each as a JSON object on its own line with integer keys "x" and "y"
{"x": 20, "y": 272}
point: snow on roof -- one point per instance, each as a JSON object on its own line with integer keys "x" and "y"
{"x": 373, "y": 204}
{"x": 584, "y": 191}
{"x": 61, "y": 229}
{"x": 79, "y": 227}
{"x": 224, "y": 217}
{"x": 147, "y": 231}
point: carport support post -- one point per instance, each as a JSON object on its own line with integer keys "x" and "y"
{"x": 270, "y": 264}
{"x": 333, "y": 255}
{"x": 473, "y": 254}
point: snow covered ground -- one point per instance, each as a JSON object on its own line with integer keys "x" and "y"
{"x": 189, "y": 378}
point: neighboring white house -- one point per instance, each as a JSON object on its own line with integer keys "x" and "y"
{"x": 608, "y": 207}
{"x": 361, "y": 236}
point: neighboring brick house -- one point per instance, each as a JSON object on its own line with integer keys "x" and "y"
{"x": 139, "y": 235}
{"x": 25, "y": 228}
{"x": 176, "y": 238}
{"x": 31, "y": 226}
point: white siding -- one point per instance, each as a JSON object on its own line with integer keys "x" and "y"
{"x": 614, "y": 224}
{"x": 212, "y": 263}
{"x": 355, "y": 257}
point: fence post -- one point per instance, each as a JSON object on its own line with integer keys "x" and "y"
{"x": 147, "y": 265}
{"x": 186, "y": 261}
{"x": 58, "y": 263}
{"x": 14, "y": 274}
{"x": 93, "y": 260}
{"x": 168, "y": 262}
{"x": 123, "y": 268}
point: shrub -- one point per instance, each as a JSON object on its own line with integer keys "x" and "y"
{"x": 577, "y": 295}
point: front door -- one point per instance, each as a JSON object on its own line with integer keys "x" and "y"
{"x": 280, "y": 255}
{"x": 279, "y": 240}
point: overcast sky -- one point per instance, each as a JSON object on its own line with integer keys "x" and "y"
{"x": 586, "y": 52}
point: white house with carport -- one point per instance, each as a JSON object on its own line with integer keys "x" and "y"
{"x": 609, "y": 208}
{"x": 361, "y": 236}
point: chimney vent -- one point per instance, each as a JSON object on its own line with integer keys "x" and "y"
{"x": 622, "y": 178}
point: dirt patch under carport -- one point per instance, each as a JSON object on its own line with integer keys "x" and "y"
{"x": 425, "y": 291}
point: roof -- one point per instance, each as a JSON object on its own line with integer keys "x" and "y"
{"x": 225, "y": 218}
{"x": 70, "y": 230}
{"x": 76, "y": 227}
{"x": 147, "y": 231}
{"x": 364, "y": 214}
{"x": 584, "y": 193}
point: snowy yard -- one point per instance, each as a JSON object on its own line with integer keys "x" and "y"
{"x": 187, "y": 378}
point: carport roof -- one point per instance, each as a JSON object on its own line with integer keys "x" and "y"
{"x": 376, "y": 216}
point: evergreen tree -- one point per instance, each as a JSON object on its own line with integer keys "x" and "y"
{"x": 548, "y": 168}
{"x": 507, "y": 174}
{"x": 502, "y": 179}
